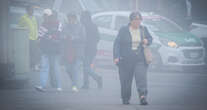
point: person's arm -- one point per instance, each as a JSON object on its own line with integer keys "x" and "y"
{"x": 97, "y": 34}
{"x": 22, "y": 22}
{"x": 116, "y": 47}
{"x": 64, "y": 32}
{"x": 83, "y": 34}
{"x": 147, "y": 36}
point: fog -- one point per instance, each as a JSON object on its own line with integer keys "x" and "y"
{"x": 59, "y": 75}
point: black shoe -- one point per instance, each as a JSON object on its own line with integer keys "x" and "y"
{"x": 125, "y": 102}
{"x": 143, "y": 101}
{"x": 100, "y": 83}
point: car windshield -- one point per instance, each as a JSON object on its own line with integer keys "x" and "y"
{"x": 161, "y": 25}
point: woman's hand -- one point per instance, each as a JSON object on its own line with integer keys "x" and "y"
{"x": 116, "y": 61}
{"x": 145, "y": 41}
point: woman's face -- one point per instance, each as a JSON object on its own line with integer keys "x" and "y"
{"x": 135, "y": 23}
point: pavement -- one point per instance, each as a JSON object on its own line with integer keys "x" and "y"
{"x": 167, "y": 91}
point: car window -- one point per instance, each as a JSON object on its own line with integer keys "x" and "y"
{"x": 103, "y": 21}
{"x": 15, "y": 14}
{"x": 14, "y": 18}
{"x": 200, "y": 32}
{"x": 120, "y": 21}
{"x": 161, "y": 25}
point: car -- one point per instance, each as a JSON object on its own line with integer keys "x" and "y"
{"x": 172, "y": 46}
{"x": 200, "y": 30}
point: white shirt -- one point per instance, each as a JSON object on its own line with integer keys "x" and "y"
{"x": 136, "y": 37}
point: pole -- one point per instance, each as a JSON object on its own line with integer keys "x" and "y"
{"x": 136, "y": 5}
{"x": 57, "y": 4}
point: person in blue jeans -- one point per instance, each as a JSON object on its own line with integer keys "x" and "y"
{"x": 74, "y": 45}
{"x": 50, "y": 45}
{"x": 47, "y": 63}
{"x": 73, "y": 70}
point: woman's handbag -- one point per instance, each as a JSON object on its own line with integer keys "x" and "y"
{"x": 147, "y": 54}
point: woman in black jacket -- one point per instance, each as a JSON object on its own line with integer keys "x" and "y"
{"x": 92, "y": 39}
{"x": 129, "y": 56}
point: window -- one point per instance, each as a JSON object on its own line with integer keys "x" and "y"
{"x": 103, "y": 21}
{"x": 15, "y": 14}
{"x": 161, "y": 25}
{"x": 120, "y": 21}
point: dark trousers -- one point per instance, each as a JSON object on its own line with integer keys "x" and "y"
{"x": 127, "y": 71}
{"x": 88, "y": 71}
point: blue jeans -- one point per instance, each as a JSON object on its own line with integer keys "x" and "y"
{"x": 73, "y": 69}
{"x": 49, "y": 62}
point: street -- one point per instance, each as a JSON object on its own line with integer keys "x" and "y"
{"x": 38, "y": 35}
{"x": 167, "y": 91}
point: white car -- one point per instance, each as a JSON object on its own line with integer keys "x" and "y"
{"x": 172, "y": 46}
{"x": 200, "y": 30}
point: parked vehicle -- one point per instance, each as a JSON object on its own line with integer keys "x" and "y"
{"x": 172, "y": 46}
{"x": 200, "y": 30}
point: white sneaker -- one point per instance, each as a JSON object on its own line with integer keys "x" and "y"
{"x": 40, "y": 89}
{"x": 59, "y": 89}
{"x": 36, "y": 68}
{"x": 75, "y": 89}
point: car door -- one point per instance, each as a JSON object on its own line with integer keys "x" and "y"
{"x": 104, "y": 23}
{"x": 105, "y": 45}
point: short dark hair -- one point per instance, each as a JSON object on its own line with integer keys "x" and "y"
{"x": 29, "y": 7}
{"x": 133, "y": 15}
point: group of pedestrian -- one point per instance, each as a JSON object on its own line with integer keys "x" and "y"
{"x": 74, "y": 45}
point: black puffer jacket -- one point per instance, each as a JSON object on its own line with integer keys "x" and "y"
{"x": 50, "y": 38}
{"x": 92, "y": 39}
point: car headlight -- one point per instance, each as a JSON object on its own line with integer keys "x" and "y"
{"x": 168, "y": 43}
{"x": 172, "y": 44}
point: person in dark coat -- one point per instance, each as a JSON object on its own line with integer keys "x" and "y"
{"x": 129, "y": 56}
{"x": 92, "y": 39}
{"x": 74, "y": 48}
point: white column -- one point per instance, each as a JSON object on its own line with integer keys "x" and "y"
{"x": 136, "y": 5}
